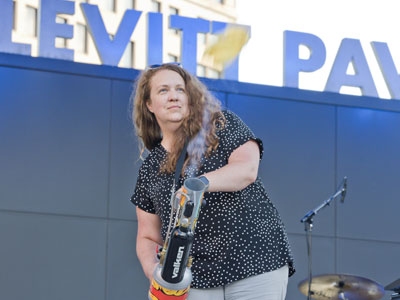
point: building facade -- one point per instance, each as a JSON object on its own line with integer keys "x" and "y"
{"x": 26, "y": 16}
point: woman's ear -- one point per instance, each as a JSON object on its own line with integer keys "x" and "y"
{"x": 148, "y": 104}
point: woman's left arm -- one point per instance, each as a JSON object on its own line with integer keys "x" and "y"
{"x": 241, "y": 170}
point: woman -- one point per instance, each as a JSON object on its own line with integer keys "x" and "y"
{"x": 240, "y": 249}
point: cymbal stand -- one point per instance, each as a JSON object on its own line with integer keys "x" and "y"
{"x": 395, "y": 287}
{"x": 342, "y": 296}
{"x": 308, "y": 224}
{"x": 395, "y": 296}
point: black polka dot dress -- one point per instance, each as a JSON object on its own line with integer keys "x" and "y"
{"x": 238, "y": 234}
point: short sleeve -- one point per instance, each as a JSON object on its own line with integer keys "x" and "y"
{"x": 236, "y": 133}
{"x": 141, "y": 197}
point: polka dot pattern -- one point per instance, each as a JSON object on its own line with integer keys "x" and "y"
{"x": 238, "y": 234}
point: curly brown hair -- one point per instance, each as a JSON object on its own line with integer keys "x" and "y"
{"x": 199, "y": 127}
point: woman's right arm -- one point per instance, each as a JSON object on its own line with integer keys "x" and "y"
{"x": 148, "y": 238}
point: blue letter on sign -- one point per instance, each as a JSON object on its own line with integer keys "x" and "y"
{"x": 49, "y": 29}
{"x": 110, "y": 50}
{"x": 154, "y": 38}
{"x": 388, "y": 68}
{"x": 350, "y": 50}
{"x": 190, "y": 27}
{"x": 6, "y": 21}
{"x": 292, "y": 64}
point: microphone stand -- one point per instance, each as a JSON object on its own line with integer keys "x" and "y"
{"x": 308, "y": 224}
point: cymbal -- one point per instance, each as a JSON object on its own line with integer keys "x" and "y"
{"x": 342, "y": 286}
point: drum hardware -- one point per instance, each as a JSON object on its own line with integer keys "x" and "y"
{"x": 308, "y": 224}
{"x": 395, "y": 287}
{"x": 343, "y": 287}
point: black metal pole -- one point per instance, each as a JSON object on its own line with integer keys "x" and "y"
{"x": 308, "y": 228}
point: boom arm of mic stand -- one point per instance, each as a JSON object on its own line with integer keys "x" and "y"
{"x": 308, "y": 217}
{"x": 307, "y": 220}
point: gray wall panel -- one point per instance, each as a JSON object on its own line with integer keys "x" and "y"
{"x": 368, "y": 153}
{"x": 298, "y": 163}
{"x": 51, "y": 257}
{"x": 323, "y": 261}
{"x": 125, "y": 276}
{"x": 124, "y": 161}
{"x": 54, "y": 130}
{"x": 375, "y": 260}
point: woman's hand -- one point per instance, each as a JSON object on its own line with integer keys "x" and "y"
{"x": 149, "y": 272}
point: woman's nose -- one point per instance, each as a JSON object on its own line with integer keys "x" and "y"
{"x": 172, "y": 95}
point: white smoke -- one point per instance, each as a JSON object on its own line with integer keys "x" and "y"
{"x": 197, "y": 146}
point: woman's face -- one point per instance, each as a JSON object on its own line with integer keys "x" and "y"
{"x": 168, "y": 98}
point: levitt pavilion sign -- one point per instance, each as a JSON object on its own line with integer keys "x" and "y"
{"x": 110, "y": 50}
